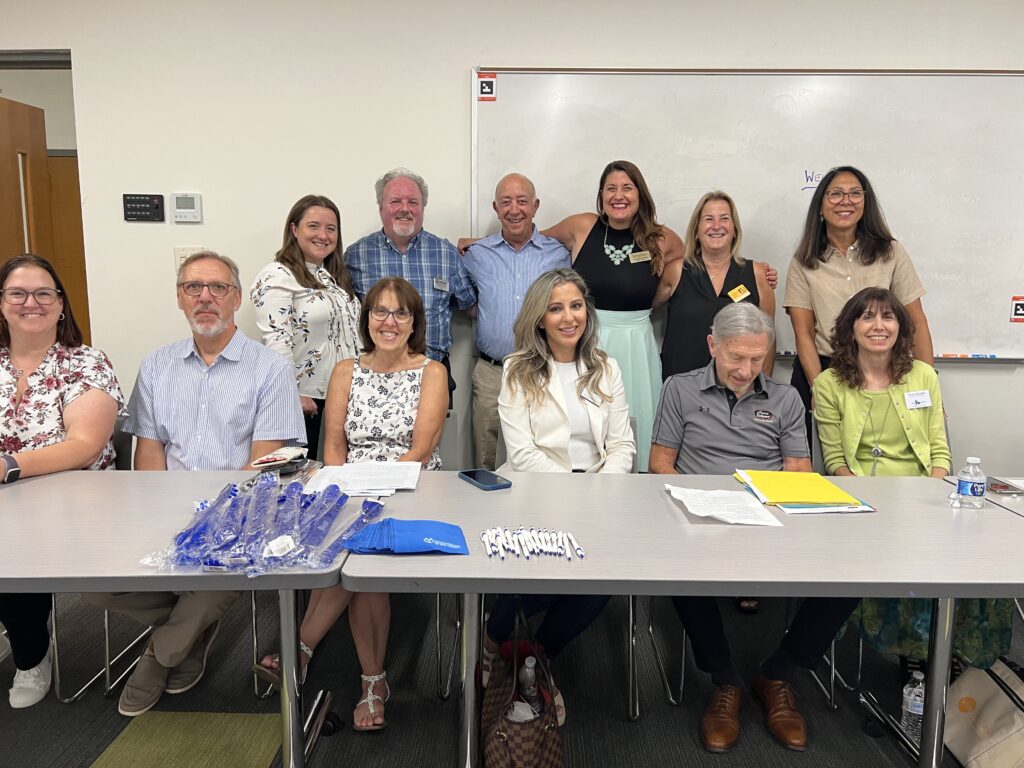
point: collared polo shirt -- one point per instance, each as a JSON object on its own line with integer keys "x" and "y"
{"x": 711, "y": 438}
{"x": 826, "y": 289}
{"x": 207, "y": 416}
{"x": 431, "y": 264}
{"x": 501, "y": 276}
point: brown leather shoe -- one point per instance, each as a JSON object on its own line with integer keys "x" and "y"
{"x": 720, "y": 723}
{"x": 781, "y": 716}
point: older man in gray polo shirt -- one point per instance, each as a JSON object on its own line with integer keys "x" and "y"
{"x": 712, "y": 421}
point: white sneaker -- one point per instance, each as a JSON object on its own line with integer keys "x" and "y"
{"x": 31, "y": 685}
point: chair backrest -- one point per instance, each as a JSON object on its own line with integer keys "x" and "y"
{"x": 123, "y": 444}
{"x": 817, "y": 458}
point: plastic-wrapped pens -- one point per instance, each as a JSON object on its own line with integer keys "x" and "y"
{"x": 530, "y": 542}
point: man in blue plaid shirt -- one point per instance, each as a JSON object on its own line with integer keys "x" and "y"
{"x": 403, "y": 248}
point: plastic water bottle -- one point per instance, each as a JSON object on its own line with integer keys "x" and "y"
{"x": 971, "y": 484}
{"x": 528, "y": 685}
{"x": 913, "y": 706}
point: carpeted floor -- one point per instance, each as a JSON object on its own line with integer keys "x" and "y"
{"x": 422, "y": 730}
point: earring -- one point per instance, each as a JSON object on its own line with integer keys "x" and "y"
{"x": 821, "y": 217}
{"x": 61, "y": 316}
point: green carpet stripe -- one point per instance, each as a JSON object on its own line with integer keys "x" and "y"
{"x": 195, "y": 739}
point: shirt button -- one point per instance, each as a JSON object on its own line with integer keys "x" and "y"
{"x": 849, "y": 278}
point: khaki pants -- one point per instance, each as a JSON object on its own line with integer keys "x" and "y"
{"x": 486, "y": 385}
{"x": 179, "y": 620}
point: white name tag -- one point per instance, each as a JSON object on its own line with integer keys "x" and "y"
{"x": 921, "y": 399}
{"x": 441, "y": 284}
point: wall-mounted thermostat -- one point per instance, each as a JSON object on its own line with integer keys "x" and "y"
{"x": 187, "y": 207}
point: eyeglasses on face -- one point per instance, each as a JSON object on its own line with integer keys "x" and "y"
{"x": 402, "y": 316}
{"x": 195, "y": 288}
{"x": 835, "y": 196}
{"x": 43, "y": 296}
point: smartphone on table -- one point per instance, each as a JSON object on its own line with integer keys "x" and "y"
{"x": 484, "y": 479}
{"x": 995, "y": 485}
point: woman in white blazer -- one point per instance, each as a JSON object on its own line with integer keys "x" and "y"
{"x": 563, "y": 409}
{"x": 562, "y": 403}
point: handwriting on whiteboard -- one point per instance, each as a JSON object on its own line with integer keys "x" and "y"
{"x": 811, "y": 179}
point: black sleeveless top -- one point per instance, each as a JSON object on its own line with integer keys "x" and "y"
{"x": 622, "y": 287}
{"x": 690, "y": 311}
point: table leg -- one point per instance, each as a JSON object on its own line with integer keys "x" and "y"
{"x": 292, "y": 753}
{"x": 940, "y": 654}
{"x": 469, "y": 729}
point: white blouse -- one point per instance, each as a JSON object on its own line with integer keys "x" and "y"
{"x": 314, "y": 327}
{"x": 582, "y": 449}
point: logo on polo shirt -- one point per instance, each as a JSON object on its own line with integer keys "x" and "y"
{"x": 764, "y": 416}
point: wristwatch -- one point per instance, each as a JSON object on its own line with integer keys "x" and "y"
{"x": 9, "y": 469}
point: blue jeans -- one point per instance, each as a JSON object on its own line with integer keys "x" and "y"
{"x": 567, "y": 616}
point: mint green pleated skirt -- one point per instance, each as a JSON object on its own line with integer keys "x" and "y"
{"x": 629, "y": 338}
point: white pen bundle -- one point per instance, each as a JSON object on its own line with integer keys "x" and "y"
{"x": 527, "y": 542}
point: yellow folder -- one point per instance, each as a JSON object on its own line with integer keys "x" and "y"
{"x": 793, "y": 487}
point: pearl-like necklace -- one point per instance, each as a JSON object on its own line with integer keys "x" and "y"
{"x": 617, "y": 255}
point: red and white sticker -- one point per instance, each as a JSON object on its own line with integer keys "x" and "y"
{"x": 486, "y": 86}
{"x": 1017, "y": 309}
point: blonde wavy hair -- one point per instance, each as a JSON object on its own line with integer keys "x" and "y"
{"x": 529, "y": 367}
{"x": 691, "y": 247}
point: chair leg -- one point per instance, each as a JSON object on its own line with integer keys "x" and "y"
{"x": 109, "y": 684}
{"x": 444, "y": 680}
{"x": 266, "y": 692}
{"x": 1020, "y": 609}
{"x": 673, "y": 697}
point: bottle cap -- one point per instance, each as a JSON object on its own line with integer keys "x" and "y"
{"x": 530, "y": 662}
{"x": 973, "y": 460}
{"x": 918, "y": 674}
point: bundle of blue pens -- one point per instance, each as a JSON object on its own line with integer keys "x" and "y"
{"x": 260, "y": 527}
{"x": 408, "y": 536}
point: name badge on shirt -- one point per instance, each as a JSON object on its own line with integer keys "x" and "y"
{"x": 739, "y": 293}
{"x": 441, "y": 284}
{"x": 921, "y": 399}
{"x": 636, "y": 258}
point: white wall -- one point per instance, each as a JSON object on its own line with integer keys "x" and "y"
{"x": 50, "y": 90}
{"x": 254, "y": 105}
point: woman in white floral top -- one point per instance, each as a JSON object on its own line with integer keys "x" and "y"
{"x": 387, "y": 405}
{"x": 306, "y": 306}
{"x": 58, "y": 403}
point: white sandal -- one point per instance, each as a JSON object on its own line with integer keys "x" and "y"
{"x": 370, "y": 698}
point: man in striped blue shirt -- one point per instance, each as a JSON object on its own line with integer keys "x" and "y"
{"x": 403, "y": 248}
{"x": 215, "y": 401}
{"x": 502, "y": 267}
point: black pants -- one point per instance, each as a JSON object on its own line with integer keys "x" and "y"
{"x": 801, "y": 385}
{"x": 24, "y": 615}
{"x": 313, "y": 426}
{"x": 814, "y": 627}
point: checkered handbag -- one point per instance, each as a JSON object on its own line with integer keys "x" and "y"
{"x": 533, "y": 744}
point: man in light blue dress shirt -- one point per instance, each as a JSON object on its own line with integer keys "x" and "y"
{"x": 215, "y": 401}
{"x": 502, "y": 267}
{"x": 402, "y": 248}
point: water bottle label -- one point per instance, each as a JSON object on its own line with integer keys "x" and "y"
{"x": 916, "y": 707}
{"x": 969, "y": 488}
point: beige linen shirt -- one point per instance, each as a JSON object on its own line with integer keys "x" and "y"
{"x": 826, "y": 290}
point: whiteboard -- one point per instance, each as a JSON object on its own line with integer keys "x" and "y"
{"x": 942, "y": 150}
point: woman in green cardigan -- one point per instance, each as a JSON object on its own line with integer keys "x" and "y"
{"x": 879, "y": 412}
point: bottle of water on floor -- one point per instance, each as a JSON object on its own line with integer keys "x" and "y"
{"x": 913, "y": 707}
{"x": 971, "y": 485}
{"x": 528, "y": 685}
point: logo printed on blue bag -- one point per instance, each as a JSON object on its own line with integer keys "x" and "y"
{"x": 435, "y": 542}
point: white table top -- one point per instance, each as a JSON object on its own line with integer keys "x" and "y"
{"x": 87, "y": 531}
{"x": 639, "y": 540}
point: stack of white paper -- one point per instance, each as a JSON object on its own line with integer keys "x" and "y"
{"x": 736, "y": 507}
{"x": 371, "y": 478}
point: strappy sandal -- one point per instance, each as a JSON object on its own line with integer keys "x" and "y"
{"x": 488, "y": 659}
{"x": 369, "y": 699}
{"x": 271, "y": 673}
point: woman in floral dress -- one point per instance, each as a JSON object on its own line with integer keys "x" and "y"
{"x": 59, "y": 400}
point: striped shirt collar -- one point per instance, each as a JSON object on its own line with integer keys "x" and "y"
{"x": 233, "y": 350}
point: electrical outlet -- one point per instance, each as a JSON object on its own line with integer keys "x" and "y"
{"x": 182, "y": 252}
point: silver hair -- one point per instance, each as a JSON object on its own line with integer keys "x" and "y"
{"x": 742, "y": 319}
{"x": 399, "y": 173}
{"x": 235, "y": 276}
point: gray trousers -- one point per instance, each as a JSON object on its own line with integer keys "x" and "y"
{"x": 178, "y": 619}
{"x": 486, "y": 386}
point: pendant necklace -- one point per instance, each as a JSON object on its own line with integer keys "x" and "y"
{"x": 876, "y": 452}
{"x": 617, "y": 255}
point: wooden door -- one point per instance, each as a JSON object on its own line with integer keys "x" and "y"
{"x": 40, "y": 203}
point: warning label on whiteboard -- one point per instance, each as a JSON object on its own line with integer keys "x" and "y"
{"x": 486, "y": 86}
